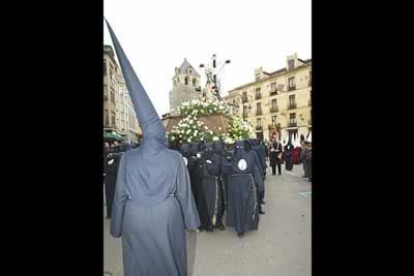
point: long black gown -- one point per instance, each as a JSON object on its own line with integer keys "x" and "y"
{"x": 259, "y": 148}
{"x": 212, "y": 188}
{"x": 289, "y": 156}
{"x": 226, "y": 171}
{"x": 195, "y": 167}
{"x": 111, "y": 171}
{"x": 245, "y": 184}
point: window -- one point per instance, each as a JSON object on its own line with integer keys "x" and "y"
{"x": 194, "y": 82}
{"x": 292, "y": 119}
{"x": 106, "y": 117}
{"x": 292, "y": 102}
{"x": 112, "y": 96}
{"x": 190, "y": 71}
{"x": 274, "y": 119}
{"x": 292, "y": 84}
{"x": 273, "y": 107}
{"x": 104, "y": 68}
{"x": 258, "y": 96}
{"x": 113, "y": 119}
{"x": 244, "y": 97}
{"x": 186, "y": 80}
{"x": 259, "y": 122}
{"x": 258, "y": 109}
{"x": 273, "y": 88}
{"x": 274, "y": 103}
{"x": 291, "y": 64}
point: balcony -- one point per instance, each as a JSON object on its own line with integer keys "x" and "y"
{"x": 244, "y": 99}
{"x": 259, "y": 112}
{"x": 292, "y": 124}
{"x": 291, "y": 88}
{"x": 274, "y": 109}
{"x": 273, "y": 92}
{"x": 259, "y": 127}
{"x": 258, "y": 96}
{"x": 292, "y": 106}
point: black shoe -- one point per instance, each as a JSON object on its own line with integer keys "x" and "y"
{"x": 222, "y": 228}
{"x": 261, "y": 212}
{"x": 241, "y": 234}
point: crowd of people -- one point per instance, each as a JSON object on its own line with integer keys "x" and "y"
{"x": 226, "y": 179}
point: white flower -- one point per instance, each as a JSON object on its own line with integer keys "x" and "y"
{"x": 205, "y": 127}
{"x": 173, "y": 138}
{"x": 188, "y": 131}
{"x": 219, "y": 128}
{"x": 215, "y": 138}
{"x": 189, "y": 140}
{"x": 195, "y": 132}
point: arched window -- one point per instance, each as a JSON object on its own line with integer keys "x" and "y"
{"x": 194, "y": 82}
{"x": 186, "y": 80}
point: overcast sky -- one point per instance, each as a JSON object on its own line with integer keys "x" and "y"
{"x": 157, "y": 35}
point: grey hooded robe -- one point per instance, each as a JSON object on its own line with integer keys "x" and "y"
{"x": 153, "y": 202}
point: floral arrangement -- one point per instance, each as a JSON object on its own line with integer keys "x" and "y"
{"x": 190, "y": 129}
{"x": 204, "y": 108}
{"x": 239, "y": 129}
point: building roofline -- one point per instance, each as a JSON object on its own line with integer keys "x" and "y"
{"x": 270, "y": 75}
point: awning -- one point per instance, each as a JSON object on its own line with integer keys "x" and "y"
{"x": 113, "y": 135}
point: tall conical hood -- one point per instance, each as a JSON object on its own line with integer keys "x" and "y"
{"x": 154, "y": 135}
{"x": 309, "y": 138}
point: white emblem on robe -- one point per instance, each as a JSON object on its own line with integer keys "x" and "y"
{"x": 242, "y": 164}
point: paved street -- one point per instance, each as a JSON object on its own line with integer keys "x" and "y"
{"x": 281, "y": 246}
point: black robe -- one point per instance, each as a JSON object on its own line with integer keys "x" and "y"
{"x": 111, "y": 173}
{"x": 212, "y": 188}
{"x": 259, "y": 148}
{"x": 245, "y": 185}
{"x": 306, "y": 159}
{"x": 289, "y": 157}
{"x": 195, "y": 168}
{"x": 226, "y": 171}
